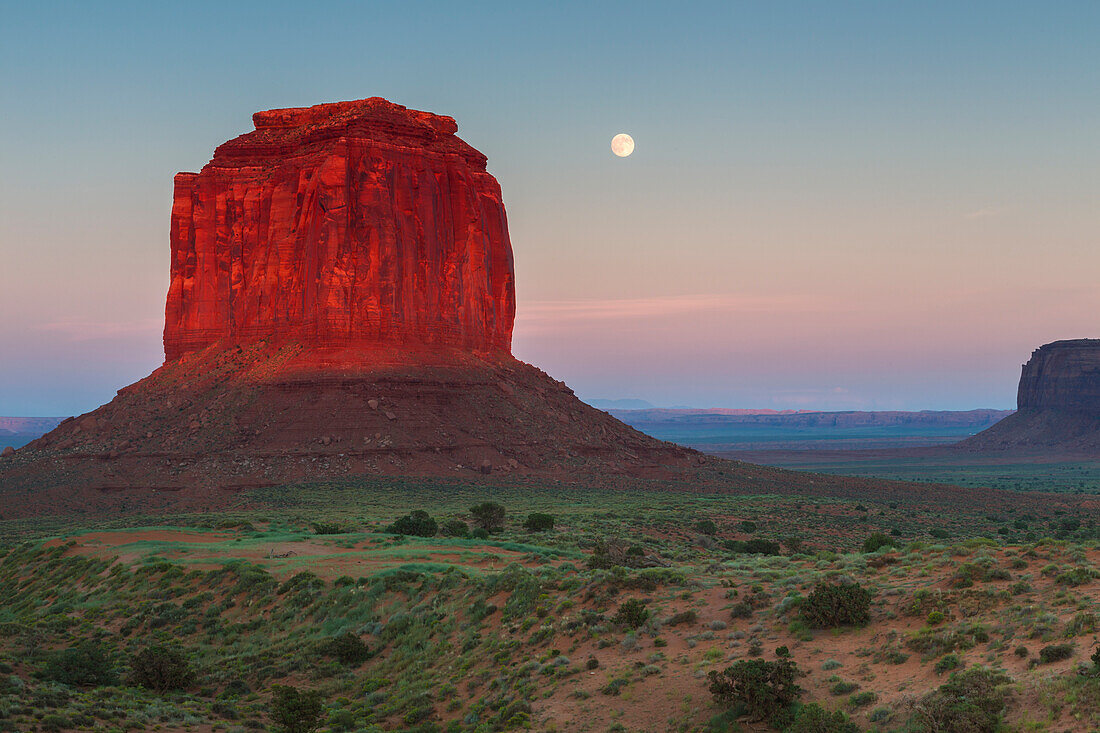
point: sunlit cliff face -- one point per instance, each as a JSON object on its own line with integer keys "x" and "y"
{"x": 350, "y": 223}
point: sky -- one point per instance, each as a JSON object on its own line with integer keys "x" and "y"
{"x": 842, "y": 205}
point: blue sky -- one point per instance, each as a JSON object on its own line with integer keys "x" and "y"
{"x": 835, "y": 205}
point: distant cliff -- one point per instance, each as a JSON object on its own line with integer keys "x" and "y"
{"x": 1064, "y": 375}
{"x": 723, "y": 430}
{"x": 1058, "y": 403}
{"x": 18, "y": 431}
{"x": 29, "y": 425}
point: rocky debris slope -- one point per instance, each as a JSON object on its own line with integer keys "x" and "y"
{"x": 1058, "y": 403}
{"x": 253, "y": 416}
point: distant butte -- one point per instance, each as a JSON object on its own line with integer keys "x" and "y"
{"x": 1058, "y": 403}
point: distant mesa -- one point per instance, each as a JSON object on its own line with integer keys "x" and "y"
{"x": 341, "y": 303}
{"x": 1058, "y": 403}
{"x": 18, "y": 431}
{"x": 628, "y": 403}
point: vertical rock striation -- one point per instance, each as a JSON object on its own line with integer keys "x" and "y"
{"x": 340, "y": 224}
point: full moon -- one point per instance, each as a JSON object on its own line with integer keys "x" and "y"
{"x": 622, "y": 145}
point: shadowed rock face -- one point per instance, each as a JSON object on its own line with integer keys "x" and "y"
{"x": 349, "y": 223}
{"x": 1063, "y": 375}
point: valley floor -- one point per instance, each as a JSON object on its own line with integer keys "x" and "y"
{"x": 534, "y": 630}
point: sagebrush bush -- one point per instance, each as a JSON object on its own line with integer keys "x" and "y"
{"x": 762, "y": 688}
{"x": 455, "y": 528}
{"x": 754, "y": 546}
{"x": 969, "y": 702}
{"x": 632, "y": 614}
{"x": 417, "y": 524}
{"x": 707, "y": 527}
{"x": 328, "y": 528}
{"x": 837, "y": 604}
{"x": 683, "y": 617}
{"x": 812, "y": 718}
{"x": 347, "y": 648}
{"x": 160, "y": 668}
{"x": 741, "y": 610}
{"x": 1076, "y": 577}
{"x": 877, "y": 541}
{"x": 295, "y": 711}
{"x": 88, "y": 664}
{"x": 1055, "y": 653}
{"x": 488, "y": 515}
{"x": 538, "y": 522}
{"x": 947, "y": 663}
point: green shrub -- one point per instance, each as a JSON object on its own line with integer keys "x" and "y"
{"x": 939, "y": 534}
{"x": 862, "y": 699}
{"x": 741, "y": 610}
{"x": 947, "y": 663}
{"x": 761, "y": 688}
{"x": 455, "y": 528}
{"x": 347, "y": 648}
{"x": 88, "y": 664}
{"x": 877, "y": 541}
{"x": 837, "y": 604}
{"x": 480, "y": 534}
{"x": 1076, "y": 577}
{"x": 707, "y": 527}
{"x": 615, "y": 686}
{"x": 683, "y": 617}
{"x": 328, "y": 528}
{"x": 754, "y": 546}
{"x": 793, "y": 544}
{"x": 632, "y": 614}
{"x": 969, "y": 702}
{"x": 1055, "y": 653}
{"x": 1021, "y": 651}
{"x": 417, "y": 524}
{"x": 935, "y": 618}
{"x": 538, "y": 522}
{"x": 748, "y": 527}
{"x": 880, "y": 715}
{"x": 160, "y": 668}
{"x": 294, "y": 711}
{"x": 488, "y": 515}
{"x": 842, "y": 687}
{"x": 55, "y": 723}
{"x": 812, "y": 718}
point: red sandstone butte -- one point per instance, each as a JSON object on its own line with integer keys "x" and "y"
{"x": 350, "y": 223}
{"x": 341, "y": 306}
